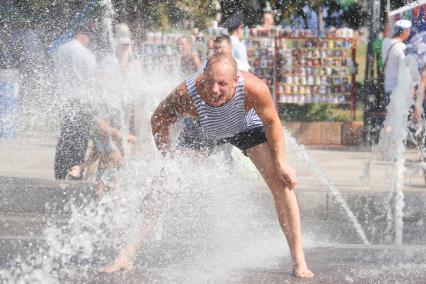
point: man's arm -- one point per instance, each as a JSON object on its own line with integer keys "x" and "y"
{"x": 197, "y": 60}
{"x": 259, "y": 97}
{"x": 174, "y": 106}
{"x": 418, "y": 109}
{"x": 106, "y": 129}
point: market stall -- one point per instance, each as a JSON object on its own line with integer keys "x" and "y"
{"x": 159, "y": 53}
{"x": 302, "y": 70}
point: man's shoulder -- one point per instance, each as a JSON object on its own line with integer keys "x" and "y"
{"x": 75, "y": 47}
{"x": 235, "y": 41}
{"x": 386, "y": 43}
{"x": 64, "y": 47}
{"x": 389, "y": 43}
{"x": 398, "y": 47}
{"x": 253, "y": 84}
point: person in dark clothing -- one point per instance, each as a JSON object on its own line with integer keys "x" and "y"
{"x": 75, "y": 68}
{"x": 73, "y": 139}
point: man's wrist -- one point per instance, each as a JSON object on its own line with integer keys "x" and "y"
{"x": 280, "y": 162}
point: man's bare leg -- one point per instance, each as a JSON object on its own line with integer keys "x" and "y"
{"x": 124, "y": 261}
{"x": 153, "y": 205}
{"x": 286, "y": 206}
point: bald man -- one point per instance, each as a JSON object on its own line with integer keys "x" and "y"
{"x": 192, "y": 136}
{"x": 235, "y": 107}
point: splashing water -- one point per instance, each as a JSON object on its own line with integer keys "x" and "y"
{"x": 394, "y": 133}
{"x": 107, "y": 21}
{"x": 303, "y": 155}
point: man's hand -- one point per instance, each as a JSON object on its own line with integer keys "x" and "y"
{"x": 287, "y": 175}
{"x": 131, "y": 138}
{"x": 75, "y": 171}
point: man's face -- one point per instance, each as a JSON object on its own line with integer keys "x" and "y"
{"x": 268, "y": 20}
{"x": 220, "y": 83}
{"x": 406, "y": 34}
{"x": 84, "y": 38}
{"x": 184, "y": 46}
{"x": 123, "y": 47}
{"x": 223, "y": 47}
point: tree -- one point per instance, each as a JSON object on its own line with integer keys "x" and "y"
{"x": 199, "y": 12}
{"x": 354, "y": 16}
{"x": 250, "y": 9}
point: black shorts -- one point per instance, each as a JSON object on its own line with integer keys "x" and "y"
{"x": 247, "y": 139}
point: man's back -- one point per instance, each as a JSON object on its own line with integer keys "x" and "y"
{"x": 75, "y": 66}
{"x": 239, "y": 52}
{"x": 392, "y": 54}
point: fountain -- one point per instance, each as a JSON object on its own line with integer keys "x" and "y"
{"x": 218, "y": 222}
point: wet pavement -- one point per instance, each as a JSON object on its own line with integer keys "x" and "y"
{"x": 174, "y": 263}
{"x": 224, "y": 244}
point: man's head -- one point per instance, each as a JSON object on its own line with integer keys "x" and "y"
{"x": 122, "y": 38}
{"x": 222, "y": 44}
{"x": 402, "y": 29}
{"x": 268, "y": 20}
{"x": 83, "y": 35}
{"x": 235, "y": 25}
{"x": 220, "y": 79}
{"x": 185, "y": 46}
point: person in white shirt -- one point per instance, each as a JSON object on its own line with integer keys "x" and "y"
{"x": 75, "y": 69}
{"x": 235, "y": 27}
{"x": 392, "y": 54}
{"x": 113, "y": 114}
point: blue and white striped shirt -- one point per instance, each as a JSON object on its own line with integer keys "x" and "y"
{"x": 227, "y": 120}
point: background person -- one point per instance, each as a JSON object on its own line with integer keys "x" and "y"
{"x": 268, "y": 21}
{"x": 235, "y": 26}
{"x": 377, "y": 49}
{"x": 121, "y": 76}
{"x": 310, "y": 18}
{"x": 107, "y": 151}
{"x": 190, "y": 60}
{"x": 267, "y": 27}
{"x": 114, "y": 114}
{"x": 75, "y": 68}
{"x": 392, "y": 54}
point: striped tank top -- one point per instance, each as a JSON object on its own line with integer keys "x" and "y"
{"x": 227, "y": 120}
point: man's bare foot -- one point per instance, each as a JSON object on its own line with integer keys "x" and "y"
{"x": 301, "y": 270}
{"x": 120, "y": 264}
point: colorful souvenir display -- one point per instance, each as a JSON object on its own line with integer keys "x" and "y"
{"x": 159, "y": 53}
{"x": 314, "y": 70}
{"x": 414, "y": 11}
{"x": 261, "y": 55}
{"x": 304, "y": 69}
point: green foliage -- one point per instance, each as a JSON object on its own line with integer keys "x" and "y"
{"x": 252, "y": 10}
{"x": 164, "y": 15}
{"x": 311, "y": 112}
{"x": 200, "y": 11}
{"x": 355, "y": 16}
